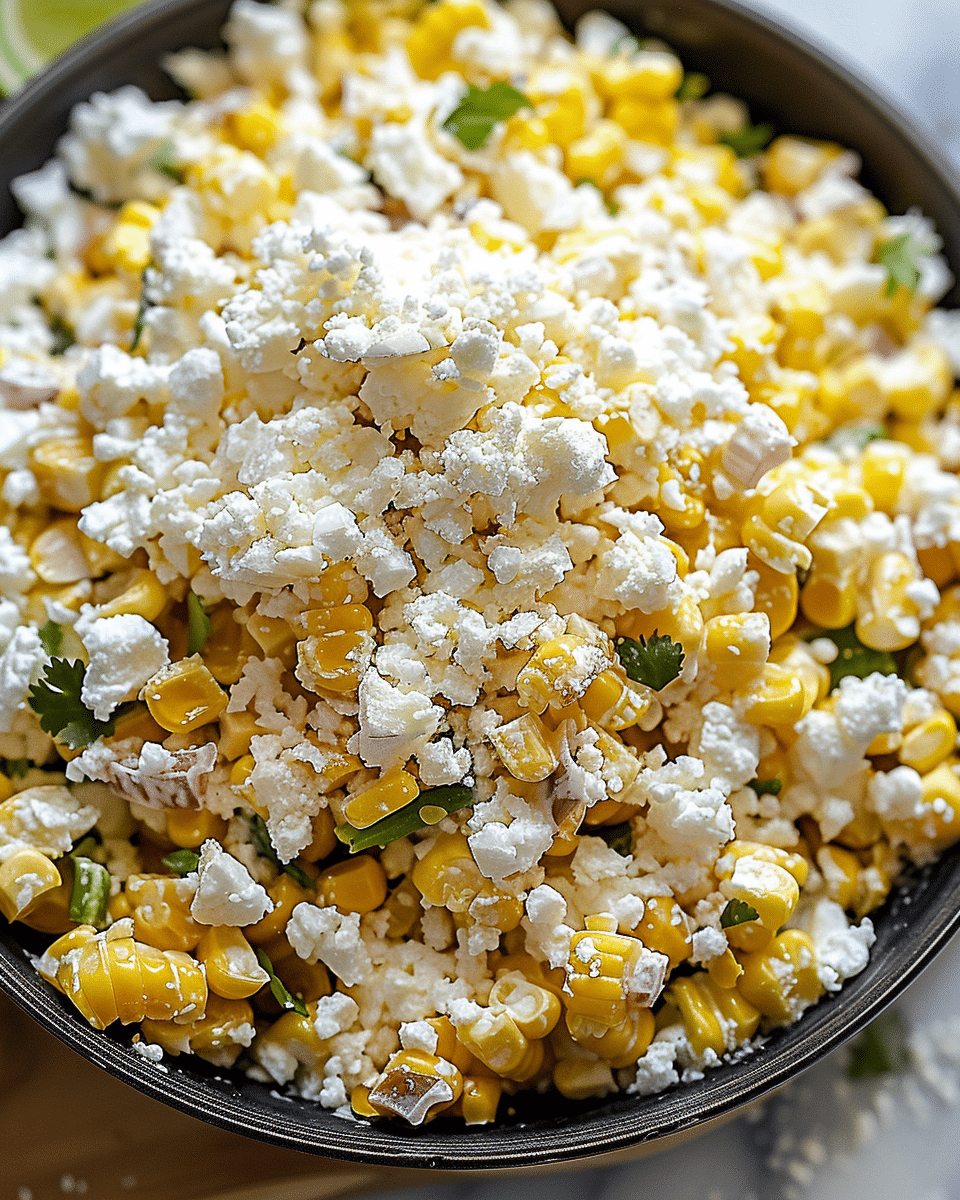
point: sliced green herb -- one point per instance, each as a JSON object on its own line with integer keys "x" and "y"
{"x": 748, "y": 141}
{"x": 16, "y": 768}
{"x": 283, "y": 996}
{"x": 413, "y": 816}
{"x": 767, "y": 787}
{"x": 611, "y": 206}
{"x": 181, "y": 862}
{"x": 56, "y": 701}
{"x": 51, "y": 637}
{"x": 655, "y": 663}
{"x": 63, "y": 335}
{"x": 91, "y": 892}
{"x": 693, "y": 87}
{"x": 139, "y": 321}
{"x": 260, "y": 837}
{"x": 617, "y": 837}
{"x": 855, "y": 437}
{"x": 880, "y": 1049}
{"x": 900, "y": 258}
{"x": 85, "y": 847}
{"x": 198, "y": 624}
{"x": 473, "y": 119}
{"x": 737, "y": 912}
{"x": 164, "y": 160}
{"x": 853, "y": 657}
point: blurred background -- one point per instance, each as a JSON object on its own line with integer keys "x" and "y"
{"x": 870, "y": 1123}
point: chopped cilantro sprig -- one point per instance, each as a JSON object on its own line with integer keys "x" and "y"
{"x": 856, "y": 437}
{"x": 748, "y": 141}
{"x": 654, "y": 663}
{"x": 737, "y": 912}
{"x": 693, "y": 86}
{"x": 900, "y": 258}
{"x": 198, "y": 624}
{"x": 618, "y": 837}
{"x": 164, "y": 161}
{"x": 91, "y": 890}
{"x": 51, "y": 637}
{"x": 474, "y": 118}
{"x": 281, "y": 993}
{"x": 56, "y": 701}
{"x": 853, "y": 657}
{"x": 181, "y": 862}
{"x": 260, "y": 837}
{"x": 767, "y": 787}
{"x": 441, "y": 800}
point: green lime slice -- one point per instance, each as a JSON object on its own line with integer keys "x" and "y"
{"x": 34, "y": 31}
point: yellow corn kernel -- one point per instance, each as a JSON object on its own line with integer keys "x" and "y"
{"x": 50, "y": 912}
{"x": 481, "y": 1095}
{"x": 926, "y": 745}
{"x": 450, "y": 1047}
{"x": 755, "y": 339}
{"x": 296, "y": 1036}
{"x": 24, "y": 877}
{"x": 613, "y": 703}
{"x": 841, "y": 872}
{"x": 737, "y": 646}
{"x": 357, "y": 885}
{"x": 937, "y": 824}
{"x": 384, "y": 796}
{"x": 519, "y": 133}
{"x": 920, "y": 380}
{"x": 664, "y": 928}
{"x": 189, "y": 828}
{"x": 724, "y": 970}
{"x": 793, "y": 655}
{"x": 792, "y": 164}
{"x": 496, "y": 1040}
{"x": 447, "y": 876}
{"x": 135, "y": 590}
{"x": 937, "y": 563}
{"x": 286, "y": 895}
{"x": 829, "y": 601}
{"x": 559, "y": 672}
{"x": 229, "y": 645}
{"x": 307, "y": 980}
{"x": 781, "y": 979}
{"x": 430, "y": 43}
{"x": 619, "y": 1046}
{"x": 274, "y": 637}
{"x": 777, "y": 699}
{"x": 184, "y": 696}
{"x": 232, "y": 969}
{"x": 523, "y": 746}
{"x": 577, "y": 1078}
{"x": 769, "y": 889}
{"x": 598, "y": 155}
{"x": 533, "y": 1009}
{"x": 647, "y": 121}
{"x": 57, "y": 554}
{"x": 218, "y": 1035}
{"x": 715, "y": 1018}
{"x": 137, "y": 723}
{"x": 794, "y": 864}
{"x": 882, "y": 466}
{"x": 237, "y": 730}
{"x": 684, "y": 625}
{"x": 599, "y": 965}
{"x": 777, "y": 595}
{"x": 160, "y": 907}
{"x": 324, "y": 840}
{"x": 255, "y": 128}
{"x": 648, "y": 75}
{"x": 339, "y": 640}
{"x": 240, "y": 772}
{"x": 802, "y": 308}
{"x": 887, "y": 619}
{"x": 773, "y": 548}
{"x": 68, "y": 475}
{"x": 416, "y": 1086}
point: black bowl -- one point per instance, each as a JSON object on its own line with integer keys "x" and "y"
{"x": 801, "y": 90}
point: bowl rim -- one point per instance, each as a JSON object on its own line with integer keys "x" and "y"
{"x": 219, "y": 1100}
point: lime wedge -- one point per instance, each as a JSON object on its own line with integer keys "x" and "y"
{"x": 34, "y": 31}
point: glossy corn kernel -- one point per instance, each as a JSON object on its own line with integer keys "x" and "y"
{"x": 184, "y": 696}
{"x": 219, "y": 1035}
{"x": 803, "y": 307}
{"x": 781, "y": 979}
{"x": 937, "y": 563}
{"x": 620, "y": 1045}
{"x": 189, "y": 828}
{"x": 715, "y": 1018}
{"x": 523, "y": 746}
{"x": 274, "y": 637}
{"x": 324, "y": 839}
{"x": 737, "y": 646}
{"x": 883, "y": 466}
{"x": 286, "y": 894}
{"x": 136, "y": 722}
{"x": 680, "y": 509}
{"x": 840, "y": 869}
{"x": 431, "y": 41}
{"x": 50, "y": 912}
{"x": 611, "y": 702}
{"x": 497, "y": 1041}
{"x": 68, "y": 475}
{"x": 533, "y": 1009}
{"x": 793, "y": 655}
{"x": 920, "y": 381}
{"x": 792, "y": 164}
{"x": 135, "y": 590}
{"x": 229, "y": 645}
{"x": 599, "y": 967}
{"x": 794, "y": 864}
{"x": 25, "y": 877}
{"x": 664, "y": 928}
{"x": 777, "y": 595}
{"x": 559, "y": 672}
{"x": 384, "y": 796}
{"x": 292, "y": 1039}
{"x": 255, "y": 128}
{"x": 598, "y": 155}
{"x": 160, "y": 906}
{"x": 339, "y": 641}
{"x": 769, "y": 889}
{"x": 778, "y": 698}
{"x": 928, "y": 744}
{"x": 416, "y": 1086}
{"x": 724, "y": 970}
{"x": 887, "y": 617}
{"x": 357, "y": 885}
{"x": 57, "y": 554}
{"x": 937, "y": 824}
{"x": 478, "y": 1103}
{"x": 231, "y": 966}
{"x": 648, "y": 121}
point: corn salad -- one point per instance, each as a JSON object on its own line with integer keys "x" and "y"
{"x": 480, "y": 560}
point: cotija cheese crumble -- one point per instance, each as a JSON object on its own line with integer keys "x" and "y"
{"x": 479, "y": 560}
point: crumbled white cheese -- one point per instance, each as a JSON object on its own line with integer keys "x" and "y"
{"x": 226, "y": 893}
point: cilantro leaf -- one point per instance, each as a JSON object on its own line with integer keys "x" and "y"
{"x": 767, "y": 787}
{"x": 181, "y": 862}
{"x": 880, "y": 1049}
{"x": 855, "y": 437}
{"x": 164, "y": 161}
{"x": 198, "y": 624}
{"x": 655, "y": 663}
{"x": 694, "y": 86}
{"x": 283, "y": 996}
{"x": 51, "y": 638}
{"x": 16, "y": 768}
{"x": 260, "y": 838}
{"x": 853, "y": 657}
{"x": 63, "y": 335}
{"x": 473, "y": 119}
{"x": 618, "y": 837}
{"x": 139, "y": 321}
{"x": 748, "y": 141}
{"x": 899, "y": 256}
{"x": 91, "y": 892}
{"x": 428, "y": 808}
{"x": 737, "y": 912}
{"x": 56, "y": 701}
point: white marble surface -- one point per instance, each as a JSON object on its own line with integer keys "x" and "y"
{"x": 825, "y": 1137}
